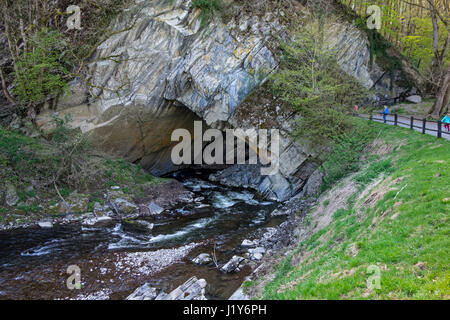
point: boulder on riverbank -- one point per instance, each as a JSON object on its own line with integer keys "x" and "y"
{"x": 192, "y": 289}
{"x": 98, "y": 222}
{"x": 141, "y": 226}
{"x": 234, "y": 265}
{"x": 146, "y": 292}
{"x": 202, "y": 259}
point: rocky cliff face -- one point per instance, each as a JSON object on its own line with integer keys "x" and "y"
{"x": 352, "y": 49}
{"x": 160, "y": 71}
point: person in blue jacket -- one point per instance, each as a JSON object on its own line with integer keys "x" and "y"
{"x": 385, "y": 113}
{"x": 446, "y": 121}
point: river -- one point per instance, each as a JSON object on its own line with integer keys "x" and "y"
{"x": 114, "y": 261}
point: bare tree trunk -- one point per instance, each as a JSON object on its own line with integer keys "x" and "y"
{"x": 435, "y": 63}
{"x": 5, "y": 88}
{"x": 442, "y": 97}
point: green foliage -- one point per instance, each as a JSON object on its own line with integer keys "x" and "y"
{"x": 310, "y": 80}
{"x": 41, "y": 71}
{"x": 408, "y": 27}
{"x": 208, "y": 9}
{"x": 418, "y": 47}
{"x": 377, "y": 44}
{"x": 346, "y": 153}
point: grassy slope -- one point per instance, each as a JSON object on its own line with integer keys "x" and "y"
{"x": 405, "y": 234}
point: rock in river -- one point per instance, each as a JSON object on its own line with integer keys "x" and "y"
{"x": 234, "y": 265}
{"x": 203, "y": 258}
{"x": 45, "y": 224}
{"x": 137, "y": 225}
{"x": 98, "y": 222}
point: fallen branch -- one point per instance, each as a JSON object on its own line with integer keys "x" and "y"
{"x": 112, "y": 205}
{"x": 59, "y": 194}
{"x": 214, "y": 256}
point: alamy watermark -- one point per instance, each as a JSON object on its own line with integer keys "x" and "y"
{"x": 214, "y": 153}
{"x": 74, "y": 20}
{"x": 74, "y": 280}
{"x": 373, "y": 282}
{"x": 374, "y": 21}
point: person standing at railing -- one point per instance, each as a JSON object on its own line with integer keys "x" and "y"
{"x": 385, "y": 112}
{"x": 446, "y": 121}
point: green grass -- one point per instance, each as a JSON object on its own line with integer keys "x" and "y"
{"x": 373, "y": 171}
{"x": 405, "y": 234}
{"x": 346, "y": 152}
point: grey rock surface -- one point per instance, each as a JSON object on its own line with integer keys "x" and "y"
{"x": 168, "y": 72}
{"x": 145, "y": 292}
{"x": 234, "y": 265}
{"x": 239, "y": 295}
{"x": 414, "y": 99}
{"x": 155, "y": 209}
{"x": 248, "y": 243}
{"x": 312, "y": 186}
{"x": 98, "y": 222}
{"x": 202, "y": 259}
{"x": 192, "y": 289}
{"x": 45, "y": 224}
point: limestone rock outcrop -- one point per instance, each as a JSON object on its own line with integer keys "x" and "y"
{"x": 160, "y": 71}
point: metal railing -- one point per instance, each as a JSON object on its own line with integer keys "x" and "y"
{"x": 411, "y": 123}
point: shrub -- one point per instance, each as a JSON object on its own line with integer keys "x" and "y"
{"x": 41, "y": 72}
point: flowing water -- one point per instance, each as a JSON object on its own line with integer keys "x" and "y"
{"x": 113, "y": 261}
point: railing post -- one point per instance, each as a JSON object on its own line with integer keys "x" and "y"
{"x": 412, "y": 123}
{"x": 395, "y": 119}
{"x": 439, "y": 133}
{"x": 424, "y": 124}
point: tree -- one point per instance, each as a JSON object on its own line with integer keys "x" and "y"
{"x": 441, "y": 105}
{"x": 420, "y": 30}
{"x": 438, "y": 78}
